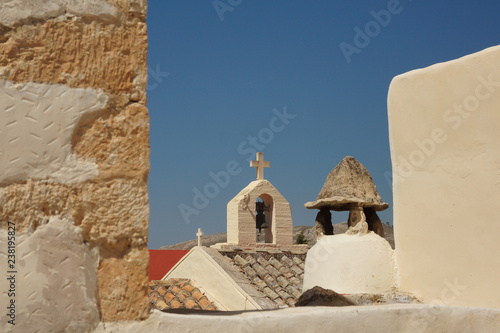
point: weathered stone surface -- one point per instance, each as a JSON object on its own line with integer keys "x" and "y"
{"x": 118, "y": 141}
{"x": 360, "y": 228}
{"x": 123, "y": 284}
{"x": 357, "y": 222}
{"x": 111, "y": 214}
{"x": 76, "y": 72}
{"x": 71, "y": 52}
{"x": 318, "y": 296}
{"x": 36, "y": 129}
{"x": 444, "y": 136}
{"x": 53, "y": 263}
{"x": 348, "y": 184}
{"x": 323, "y": 223}
{"x": 20, "y": 11}
{"x": 374, "y": 222}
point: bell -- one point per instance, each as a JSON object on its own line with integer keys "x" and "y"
{"x": 260, "y": 220}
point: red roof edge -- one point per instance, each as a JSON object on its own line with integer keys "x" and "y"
{"x": 162, "y": 261}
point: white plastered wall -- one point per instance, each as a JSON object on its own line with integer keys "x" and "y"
{"x": 219, "y": 286}
{"x": 445, "y": 138}
{"x": 351, "y": 264}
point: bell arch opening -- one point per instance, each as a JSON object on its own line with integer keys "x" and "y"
{"x": 264, "y": 219}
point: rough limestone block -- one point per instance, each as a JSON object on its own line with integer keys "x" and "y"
{"x": 35, "y": 133}
{"x": 96, "y": 170}
{"x": 351, "y": 264}
{"x": 445, "y": 153}
{"x": 52, "y": 263}
{"x": 81, "y": 52}
{"x": 17, "y": 11}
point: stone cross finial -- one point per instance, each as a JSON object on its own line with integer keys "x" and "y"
{"x": 200, "y": 235}
{"x": 260, "y": 164}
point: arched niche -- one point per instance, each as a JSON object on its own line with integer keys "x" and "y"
{"x": 265, "y": 201}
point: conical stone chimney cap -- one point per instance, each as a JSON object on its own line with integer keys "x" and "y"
{"x": 349, "y": 184}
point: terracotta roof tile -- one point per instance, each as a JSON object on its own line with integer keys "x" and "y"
{"x": 190, "y": 303}
{"x": 297, "y": 270}
{"x": 210, "y": 307}
{"x": 293, "y": 291}
{"x": 189, "y": 288}
{"x": 283, "y": 281}
{"x": 263, "y": 261}
{"x": 287, "y": 261}
{"x": 176, "y": 304}
{"x": 284, "y": 270}
{"x": 197, "y": 294}
{"x": 271, "y": 270}
{"x": 273, "y": 261}
{"x": 271, "y": 281}
{"x": 169, "y": 297}
{"x": 205, "y": 303}
{"x": 241, "y": 262}
{"x": 284, "y": 295}
{"x": 280, "y": 303}
{"x": 250, "y": 259}
{"x": 184, "y": 295}
{"x": 161, "y": 290}
{"x": 250, "y": 272}
{"x": 178, "y": 294}
{"x": 260, "y": 270}
{"x": 277, "y": 275}
{"x": 155, "y": 297}
{"x": 259, "y": 283}
{"x": 270, "y": 293}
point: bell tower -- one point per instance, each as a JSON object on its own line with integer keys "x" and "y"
{"x": 259, "y": 216}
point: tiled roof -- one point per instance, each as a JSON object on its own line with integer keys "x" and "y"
{"x": 276, "y": 275}
{"x": 178, "y": 294}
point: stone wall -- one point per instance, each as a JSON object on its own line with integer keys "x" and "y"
{"x": 446, "y": 175}
{"x": 74, "y": 160}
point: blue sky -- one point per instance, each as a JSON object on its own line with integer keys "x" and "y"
{"x": 303, "y": 81}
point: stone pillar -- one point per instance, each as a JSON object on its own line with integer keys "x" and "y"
{"x": 74, "y": 155}
{"x": 356, "y": 215}
{"x": 374, "y": 223}
{"x": 323, "y": 223}
{"x": 357, "y": 221}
